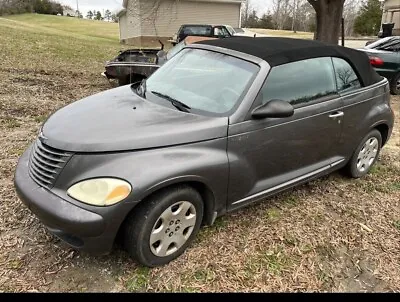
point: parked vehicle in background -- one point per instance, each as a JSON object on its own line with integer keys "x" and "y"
{"x": 204, "y": 30}
{"x": 222, "y": 124}
{"x": 134, "y": 65}
{"x": 384, "y": 56}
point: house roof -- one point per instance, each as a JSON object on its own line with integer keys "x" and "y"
{"x": 125, "y": 2}
{"x": 121, "y": 12}
{"x": 278, "y": 51}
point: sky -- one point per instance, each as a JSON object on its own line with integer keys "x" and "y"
{"x": 115, "y": 5}
{"x": 98, "y": 5}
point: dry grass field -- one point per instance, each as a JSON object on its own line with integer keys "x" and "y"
{"x": 331, "y": 235}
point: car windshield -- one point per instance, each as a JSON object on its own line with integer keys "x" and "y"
{"x": 388, "y": 43}
{"x": 230, "y": 29}
{"x": 208, "y": 82}
{"x": 197, "y": 30}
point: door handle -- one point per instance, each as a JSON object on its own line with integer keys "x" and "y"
{"x": 337, "y": 114}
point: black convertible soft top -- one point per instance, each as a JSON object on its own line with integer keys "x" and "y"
{"x": 278, "y": 51}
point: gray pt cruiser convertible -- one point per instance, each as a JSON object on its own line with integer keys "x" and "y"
{"x": 221, "y": 125}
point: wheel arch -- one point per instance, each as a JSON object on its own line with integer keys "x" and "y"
{"x": 383, "y": 128}
{"x": 197, "y": 183}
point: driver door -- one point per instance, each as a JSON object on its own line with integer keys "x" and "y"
{"x": 268, "y": 155}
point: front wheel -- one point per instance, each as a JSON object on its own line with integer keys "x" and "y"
{"x": 161, "y": 228}
{"x": 365, "y": 155}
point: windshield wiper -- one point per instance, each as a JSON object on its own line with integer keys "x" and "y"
{"x": 177, "y": 104}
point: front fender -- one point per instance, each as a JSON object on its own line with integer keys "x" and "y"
{"x": 150, "y": 170}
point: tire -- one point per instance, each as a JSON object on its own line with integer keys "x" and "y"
{"x": 156, "y": 233}
{"x": 365, "y": 156}
{"x": 395, "y": 85}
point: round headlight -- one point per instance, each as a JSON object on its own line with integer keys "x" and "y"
{"x": 100, "y": 191}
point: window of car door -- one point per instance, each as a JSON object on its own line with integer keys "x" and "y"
{"x": 300, "y": 83}
{"x": 221, "y": 32}
{"x": 346, "y": 78}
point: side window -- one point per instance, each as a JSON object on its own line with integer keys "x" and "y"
{"x": 221, "y": 32}
{"x": 300, "y": 82}
{"x": 346, "y": 77}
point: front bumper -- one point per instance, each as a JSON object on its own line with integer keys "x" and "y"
{"x": 78, "y": 227}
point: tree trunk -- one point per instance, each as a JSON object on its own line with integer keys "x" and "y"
{"x": 329, "y": 14}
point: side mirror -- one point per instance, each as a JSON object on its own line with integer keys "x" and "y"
{"x": 273, "y": 109}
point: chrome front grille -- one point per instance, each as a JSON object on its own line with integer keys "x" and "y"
{"x": 46, "y": 164}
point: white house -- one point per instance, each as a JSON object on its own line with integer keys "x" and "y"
{"x": 391, "y": 14}
{"x": 146, "y": 21}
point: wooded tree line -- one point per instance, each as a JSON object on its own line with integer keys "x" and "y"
{"x": 361, "y": 17}
{"x": 96, "y": 15}
{"x": 50, "y": 7}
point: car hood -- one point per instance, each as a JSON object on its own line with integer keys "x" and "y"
{"x": 118, "y": 120}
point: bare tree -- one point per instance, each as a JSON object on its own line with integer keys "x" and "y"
{"x": 295, "y": 10}
{"x": 246, "y": 11}
{"x": 350, "y": 13}
{"x": 329, "y": 14}
{"x": 277, "y": 5}
{"x": 286, "y": 13}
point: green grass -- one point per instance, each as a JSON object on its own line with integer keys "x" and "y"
{"x": 11, "y": 122}
{"x": 395, "y": 186}
{"x": 49, "y": 43}
{"x": 139, "y": 280}
{"x": 40, "y": 119}
{"x": 273, "y": 261}
{"x": 273, "y": 214}
{"x": 74, "y": 26}
{"x": 204, "y": 275}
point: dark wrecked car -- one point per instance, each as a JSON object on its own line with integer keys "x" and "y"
{"x": 221, "y": 125}
{"x": 134, "y": 65}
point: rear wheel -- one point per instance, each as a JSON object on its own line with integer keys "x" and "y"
{"x": 365, "y": 155}
{"x": 395, "y": 85}
{"x": 160, "y": 229}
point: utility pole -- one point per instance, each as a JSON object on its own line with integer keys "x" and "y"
{"x": 77, "y": 8}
